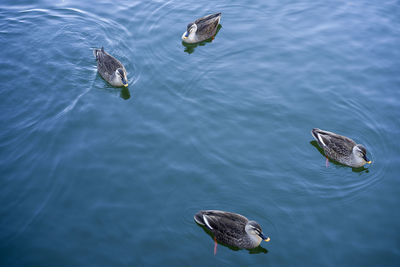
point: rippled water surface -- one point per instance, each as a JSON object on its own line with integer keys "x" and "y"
{"x": 92, "y": 175}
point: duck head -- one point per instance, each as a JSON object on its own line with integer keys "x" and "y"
{"x": 120, "y": 74}
{"x": 360, "y": 154}
{"x": 190, "y": 33}
{"x": 253, "y": 229}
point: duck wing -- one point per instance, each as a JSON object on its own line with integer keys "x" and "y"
{"x": 228, "y": 228}
{"x": 208, "y": 18}
{"x": 107, "y": 63}
{"x": 220, "y": 220}
{"x": 208, "y": 24}
{"x": 334, "y": 143}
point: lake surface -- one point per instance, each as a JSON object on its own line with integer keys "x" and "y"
{"x": 92, "y": 175}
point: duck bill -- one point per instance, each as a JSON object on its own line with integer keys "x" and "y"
{"x": 124, "y": 82}
{"x": 186, "y": 35}
{"x": 367, "y": 160}
{"x": 265, "y": 238}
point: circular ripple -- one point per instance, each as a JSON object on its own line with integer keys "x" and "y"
{"x": 338, "y": 181}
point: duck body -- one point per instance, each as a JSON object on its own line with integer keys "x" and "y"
{"x": 202, "y": 29}
{"x": 110, "y": 68}
{"x": 341, "y": 148}
{"x": 231, "y": 229}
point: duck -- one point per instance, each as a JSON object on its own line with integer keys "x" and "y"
{"x": 231, "y": 228}
{"x": 110, "y": 68}
{"x": 341, "y": 148}
{"x": 201, "y": 29}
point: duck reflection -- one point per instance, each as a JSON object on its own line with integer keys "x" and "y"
{"x": 125, "y": 94}
{"x": 320, "y": 150}
{"x": 189, "y": 48}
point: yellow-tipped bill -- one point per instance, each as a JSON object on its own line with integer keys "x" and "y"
{"x": 369, "y": 162}
{"x": 265, "y": 238}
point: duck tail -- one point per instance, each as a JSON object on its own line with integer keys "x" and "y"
{"x": 320, "y": 136}
{"x": 216, "y": 16}
{"x": 199, "y": 218}
{"x": 315, "y": 133}
{"x": 96, "y": 51}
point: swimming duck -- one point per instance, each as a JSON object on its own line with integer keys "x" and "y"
{"x": 341, "y": 149}
{"x": 231, "y": 229}
{"x": 110, "y": 68}
{"x": 202, "y": 29}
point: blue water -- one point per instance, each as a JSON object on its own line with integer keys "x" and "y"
{"x": 92, "y": 175}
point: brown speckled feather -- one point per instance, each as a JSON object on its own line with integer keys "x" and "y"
{"x": 336, "y": 147}
{"x": 227, "y": 227}
{"x": 107, "y": 63}
{"x": 207, "y": 26}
